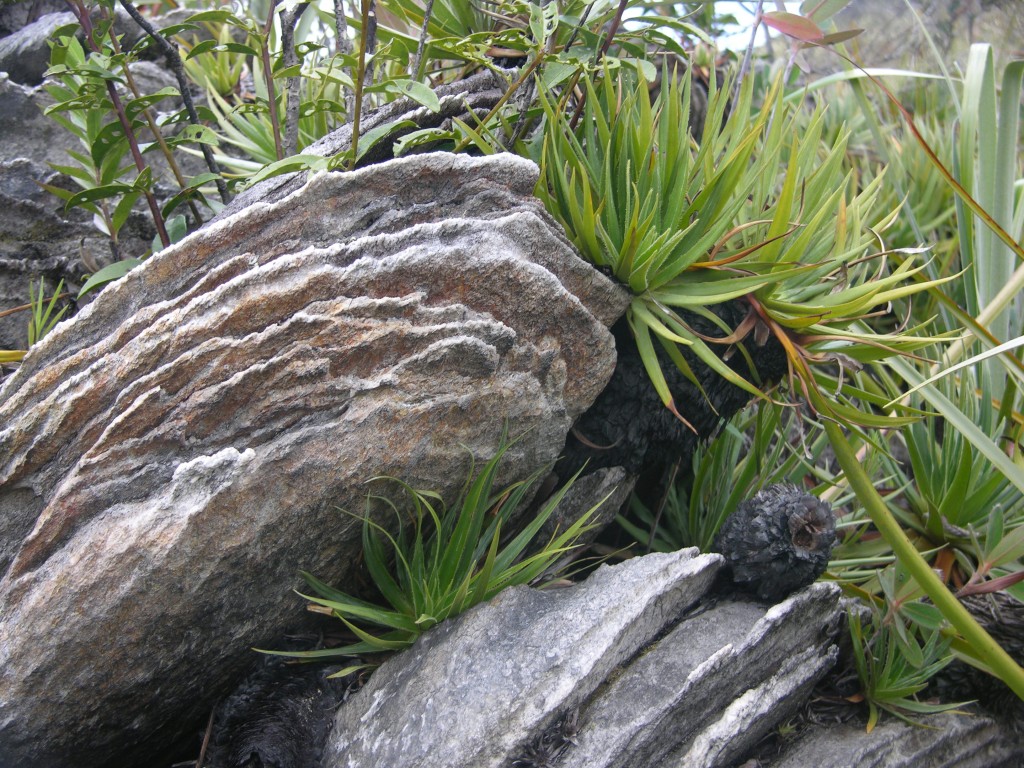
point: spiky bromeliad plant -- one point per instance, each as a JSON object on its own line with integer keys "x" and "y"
{"x": 760, "y": 212}
{"x": 443, "y": 563}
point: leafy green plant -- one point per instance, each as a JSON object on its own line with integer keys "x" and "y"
{"x": 890, "y": 680}
{"x": 77, "y": 85}
{"x": 43, "y": 318}
{"x": 954, "y": 486}
{"x": 441, "y": 562}
{"x": 992, "y": 431}
{"x": 988, "y": 162}
{"x": 41, "y": 321}
{"x": 974, "y": 641}
{"x": 220, "y": 74}
{"x": 758, "y": 212}
{"x": 257, "y": 47}
{"x": 947, "y": 492}
{"x": 111, "y": 168}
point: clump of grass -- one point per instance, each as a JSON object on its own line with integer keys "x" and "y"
{"x": 441, "y": 562}
{"x": 891, "y": 678}
{"x": 760, "y": 212}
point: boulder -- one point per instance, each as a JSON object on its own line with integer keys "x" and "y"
{"x": 725, "y": 677}
{"x": 172, "y": 456}
{"x": 609, "y": 672}
{"x": 39, "y": 239}
{"x": 25, "y": 49}
{"x": 25, "y": 54}
{"x": 15, "y": 15}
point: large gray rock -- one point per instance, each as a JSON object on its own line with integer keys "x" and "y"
{"x": 25, "y": 54}
{"x": 40, "y": 240}
{"x": 15, "y": 15}
{"x": 475, "y": 691}
{"x": 171, "y": 457}
{"x": 571, "y": 677}
{"x": 713, "y": 687}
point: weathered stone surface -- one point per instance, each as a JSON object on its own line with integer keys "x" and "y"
{"x": 609, "y": 487}
{"x": 948, "y": 741}
{"x": 175, "y": 454}
{"x": 25, "y": 54}
{"x": 487, "y": 688}
{"x": 14, "y": 16}
{"x": 712, "y": 688}
{"x": 25, "y": 132}
{"x": 25, "y": 51}
{"x": 476, "y": 690}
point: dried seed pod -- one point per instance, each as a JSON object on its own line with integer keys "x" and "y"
{"x": 778, "y": 541}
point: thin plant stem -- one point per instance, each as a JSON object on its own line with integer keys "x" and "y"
{"x": 289, "y": 18}
{"x": 613, "y": 28}
{"x": 525, "y": 122}
{"x": 357, "y": 81}
{"x": 768, "y": 47}
{"x": 662, "y": 503}
{"x": 417, "y": 66}
{"x": 987, "y": 650}
{"x": 576, "y": 30}
{"x": 268, "y": 78}
{"x": 170, "y": 51}
{"x": 344, "y": 42}
{"x": 154, "y": 129}
{"x": 523, "y": 77}
{"x": 344, "y": 48}
{"x": 371, "y": 49}
{"x": 23, "y": 307}
{"x": 749, "y": 53}
{"x": 82, "y": 14}
{"x": 206, "y": 739}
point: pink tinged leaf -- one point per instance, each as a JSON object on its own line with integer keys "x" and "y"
{"x": 799, "y": 27}
{"x": 993, "y": 585}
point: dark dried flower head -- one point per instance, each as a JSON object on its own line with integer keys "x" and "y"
{"x": 779, "y": 541}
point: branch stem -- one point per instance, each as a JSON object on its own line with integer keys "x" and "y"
{"x": 987, "y": 650}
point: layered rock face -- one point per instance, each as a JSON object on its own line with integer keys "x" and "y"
{"x": 171, "y": 457}
{"x": 613, "y": 672}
